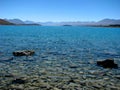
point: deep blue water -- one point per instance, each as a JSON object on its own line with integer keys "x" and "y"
{"x": 100, "y": 42}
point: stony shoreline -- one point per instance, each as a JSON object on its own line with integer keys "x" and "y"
{"x": 52, "y": 73}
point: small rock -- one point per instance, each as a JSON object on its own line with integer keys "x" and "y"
{"x": 16, "y": 87}
{"x": 117, "y": 76}
{"x": 33, "y": 88}
{"x": 114, "y": 88}
{"x": 83, "y": 83}
{"x": 9, "y": 75}
{"x": 71, "y": 81}
{"x": 56, "y": 88}
{"x": 81, "y": 72}
{"x": 24, "y": 53}
{"x": 73, "y": 66}
{"x": 97, "y": 87}
{"x": 106, "y": 78}
{"x": 84, "y": 77}
{"x": 108, "y": 63}
{"x": 45, "y": 86}
{"x": 18, "y": 81}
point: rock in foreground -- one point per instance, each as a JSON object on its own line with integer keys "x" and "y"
{"x": 24, "y": 53}
{"x": 18, "y": 81}
{"x": 108, "y": 63}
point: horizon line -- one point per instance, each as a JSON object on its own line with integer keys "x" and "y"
{"x": 60, "y": 21}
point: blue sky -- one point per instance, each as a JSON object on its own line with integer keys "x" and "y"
{"x": 60, "y": 10}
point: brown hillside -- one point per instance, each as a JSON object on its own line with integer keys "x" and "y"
{"x": 3, "y": 22}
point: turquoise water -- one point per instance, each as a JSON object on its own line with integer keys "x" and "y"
{"x": 57, "y": 48}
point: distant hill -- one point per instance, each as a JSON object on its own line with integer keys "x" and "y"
{"x": 29, "y": 22}
{"x": 15, "y": 21}
{"x": 78, "y": 23}
{"x": 108, "y": 22}
{"x": 104, "y": 22}
{"x": 20, "y": 22}
{"x": 4, "y": 22}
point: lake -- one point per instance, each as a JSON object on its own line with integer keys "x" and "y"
{"x": 65, "y": 58}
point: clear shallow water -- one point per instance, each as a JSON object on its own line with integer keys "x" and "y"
{"x": 61, "y": 53}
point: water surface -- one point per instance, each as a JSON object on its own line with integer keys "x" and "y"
{"x": 61, "y": 53}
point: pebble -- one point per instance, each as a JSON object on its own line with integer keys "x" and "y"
{"x": 114, "y": 88}
{"x": 56, "y": 88}
{"x": 117, "y": 76}
{"x": 106, "y": 78}
{"x": 81, "y": 72}
{"x": 83, "y": 83}
{"x": 73, "y": 66}
{"x": 18, "y": 81}
{"x": 96, "y": 86}
{"x": 16, "y": 87}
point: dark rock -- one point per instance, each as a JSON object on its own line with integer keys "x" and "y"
{"x": 18, "y": 81}
{"x": 83, "y": 83}
{"x": 108, "y": 63}
{"x": 9, "y": 75}
{"x": 118, "y": 77}
{"x": 73, "y": 66}
{"x": 24, "y": 53}
{"x": 71, "y": 81}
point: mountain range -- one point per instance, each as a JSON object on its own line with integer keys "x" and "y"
{"x": 104, "y": 22}
{"x": 3, "y": 22}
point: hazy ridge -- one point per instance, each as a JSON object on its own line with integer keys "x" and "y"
{"x": 104, "y": 22}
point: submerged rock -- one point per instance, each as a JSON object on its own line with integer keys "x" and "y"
{"x": 24, "y": 53}
{"x": 19, "y": 81}
{"x": 71, "y": 81}
{"x": 72, "y": 66}
{"x": 9, "y": 75}
{"x": 108, "y": 63}
{"x": 117, "y": 76}
{"x": 15, "y": 87}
